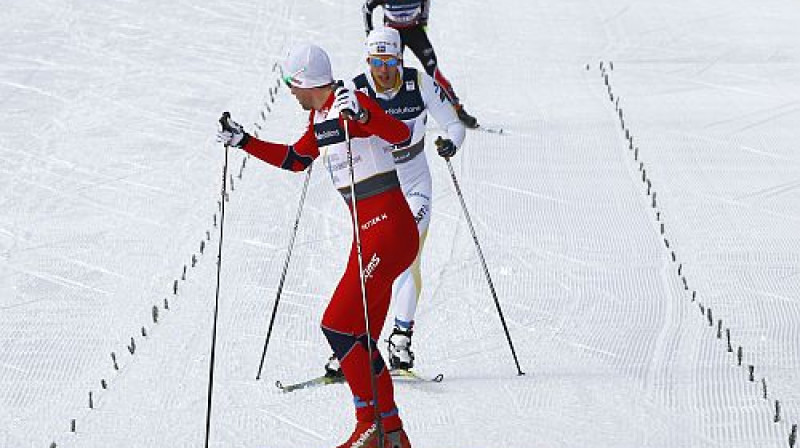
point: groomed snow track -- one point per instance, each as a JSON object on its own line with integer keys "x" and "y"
{"x": 639, "y": 216}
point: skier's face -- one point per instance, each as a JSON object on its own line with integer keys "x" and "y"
{"x": 384, "y": 70}
{"x": 304, "y": 96}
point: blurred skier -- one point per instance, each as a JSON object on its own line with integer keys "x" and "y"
{"x": 389, "y": 240}
{"x": 407, "y": 95}
{"x": 410, "y": 18}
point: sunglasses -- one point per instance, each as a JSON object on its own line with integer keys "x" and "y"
{"x": 378, "y": 62}
{"x": 291, "y": 81}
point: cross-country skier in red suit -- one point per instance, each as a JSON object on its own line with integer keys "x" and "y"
{"x": 410, "y": 18}
{"x": 389, "y": 238}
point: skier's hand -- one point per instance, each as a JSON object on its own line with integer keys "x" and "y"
{"x": 232, "y": 133}
{"x": 346, "y": 104}
{"x": 445, "y": 147}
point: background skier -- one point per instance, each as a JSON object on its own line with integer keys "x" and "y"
{"x": 410, "y": 18}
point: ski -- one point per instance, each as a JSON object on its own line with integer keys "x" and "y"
{"x": 313, "y": 382}
{"x": 397, "y": 374}
{"x": 490, "y": 129}
{"x": 414, "y": 376}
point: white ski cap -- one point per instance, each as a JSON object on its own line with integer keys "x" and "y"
{"x": 307, "y": 66}
{"x": 385, "y": 41}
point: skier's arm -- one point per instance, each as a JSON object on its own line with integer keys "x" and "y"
{"x": 296, "y": 157}
{"x": 379, "y": 123}
{"x": 369, "y": 6}
{"x": 442, "y": 111}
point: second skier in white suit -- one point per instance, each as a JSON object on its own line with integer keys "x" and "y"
{"x": 408, "y": 95}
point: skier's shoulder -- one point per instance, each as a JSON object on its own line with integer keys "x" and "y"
{"x": 365, "y": 84}
{"x": 413, "y": 78}
{"x": 410, "y": 73}
{"x": 428, "y": 86}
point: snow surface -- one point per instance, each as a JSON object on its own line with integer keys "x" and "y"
{"x": 111, "y": 180}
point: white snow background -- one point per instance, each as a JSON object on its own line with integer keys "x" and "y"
{"x": 110, "y": 179}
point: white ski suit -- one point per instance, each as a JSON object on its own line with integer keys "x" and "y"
{"x": 410, "y": 101}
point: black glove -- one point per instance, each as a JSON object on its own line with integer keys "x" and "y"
{"x": 232, "y": 133}
{"x": 445, "y": 147}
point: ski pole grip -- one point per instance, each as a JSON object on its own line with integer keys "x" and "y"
{"x": 224, "y": 121}
{"x": 439, "y": 142}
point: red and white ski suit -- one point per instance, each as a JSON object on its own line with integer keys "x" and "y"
{"x": 389, "y": 239}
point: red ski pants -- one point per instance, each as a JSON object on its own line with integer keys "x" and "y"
{"x": 389, "y": 242}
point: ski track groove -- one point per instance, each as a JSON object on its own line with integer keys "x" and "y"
{"x": 719, "y": 396}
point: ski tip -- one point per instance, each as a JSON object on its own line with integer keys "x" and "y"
{"x": 279, "y": 385}
{"x": 412, "y": 375}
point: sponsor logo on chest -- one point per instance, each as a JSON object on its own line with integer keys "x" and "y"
{"x": 403, "y": 111}
{"x": 328, "y": 133}
{"x": 407, "y": 104}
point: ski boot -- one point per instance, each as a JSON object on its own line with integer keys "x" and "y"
{"x": 366, "y": 436}
{"x": 468, "y": 120}
{"x": 400, "y": 354}
{"x": 333, "y": 369}
{"x": 397, "y": 439}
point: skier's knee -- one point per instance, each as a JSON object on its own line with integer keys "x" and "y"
{"x": 378, "y": 363}
{"x": 341, "y": 343}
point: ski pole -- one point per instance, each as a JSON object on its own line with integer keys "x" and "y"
{"x": 285, "y": 269}
{"x": 370, "y": 349}
{"x": 483, "y": 261}
{"x": 225, "y": 116}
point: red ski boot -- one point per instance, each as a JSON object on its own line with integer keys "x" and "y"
{"x": 366, "y": 436}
